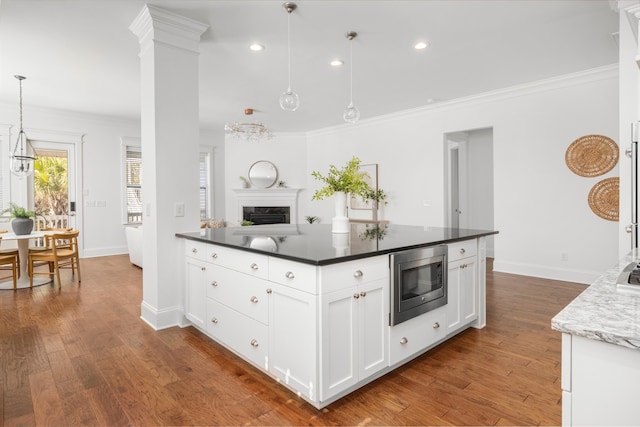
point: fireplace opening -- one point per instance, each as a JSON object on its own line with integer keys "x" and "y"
{"x": 267, "y": 214}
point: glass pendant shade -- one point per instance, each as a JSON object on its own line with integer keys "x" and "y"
{"x": 289, "y": 100}
{"x": 22, "y": 158}
{"x": 351, "y": 114}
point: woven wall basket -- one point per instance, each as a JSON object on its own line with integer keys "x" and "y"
{"x": 604, "y": 199}
{"x": 592, "y": 155}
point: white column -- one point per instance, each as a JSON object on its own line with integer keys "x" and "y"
{"x": 170, "y": 141}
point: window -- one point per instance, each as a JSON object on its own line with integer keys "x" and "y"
{"x": 205, "y": 202}
{"x": 133, "y": 179}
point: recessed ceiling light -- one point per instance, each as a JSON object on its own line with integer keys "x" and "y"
{"x": 256, "y": 47}
{"x": 336, "y": 62}
{"x": 421, "y": 45}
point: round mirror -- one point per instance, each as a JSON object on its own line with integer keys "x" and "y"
{"x": 263, "y": 174}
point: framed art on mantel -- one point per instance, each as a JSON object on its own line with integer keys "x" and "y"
{"x": 356, "y": 202}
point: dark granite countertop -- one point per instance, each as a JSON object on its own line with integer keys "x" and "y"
{"x": 315, "y": 243}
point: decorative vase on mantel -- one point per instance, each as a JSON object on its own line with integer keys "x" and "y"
{"x": 22, "y": 226}
{"x": 340, "y": 222}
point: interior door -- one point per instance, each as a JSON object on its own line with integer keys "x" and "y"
{"x": 52, "y": 188}
{"x": 457, "y": 179}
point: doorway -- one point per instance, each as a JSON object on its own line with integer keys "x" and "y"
{"x": 469, "y": 180}
{"x": 53, "y": 186}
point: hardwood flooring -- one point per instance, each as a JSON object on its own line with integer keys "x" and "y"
{"x": 82, "y": 356}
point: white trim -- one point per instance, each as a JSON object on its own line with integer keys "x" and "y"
{"x": 107, "y": 251}
{"x": 567, "y": 80}
{"x": 208, "y": 150}
{"x": 5, "y": 135}
{"x": 546, "y": 272}
{"x": 161, "y": 319}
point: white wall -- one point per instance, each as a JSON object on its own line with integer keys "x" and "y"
{"x": 480, "y": 185}
{"x": 541, "y": 207}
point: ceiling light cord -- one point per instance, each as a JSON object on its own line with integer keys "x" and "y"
{"x": 289, "y": 50}
{"x": 351, "y": 72}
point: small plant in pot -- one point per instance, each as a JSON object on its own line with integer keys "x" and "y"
{"x": 22, "y": 222}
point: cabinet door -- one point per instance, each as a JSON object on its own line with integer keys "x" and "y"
{"x": 195, "y": 291}
{"x": 469, "y": 290}
{"x": 292, "y": 339}
{"x": 462, "y": 300}
{"x": 373, "y": 327}
{"x": 454, "y": 313}
{"x": 339, "y": 369}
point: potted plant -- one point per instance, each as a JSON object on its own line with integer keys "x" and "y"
{"x": 22, "y": 222}
{"x": 340, "y": 182}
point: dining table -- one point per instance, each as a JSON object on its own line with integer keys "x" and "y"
{"x": 23, "y": 253}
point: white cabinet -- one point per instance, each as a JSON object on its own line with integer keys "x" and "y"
{"x": 462, "y": 285}
{"x": 354, "y": 330}
{"x": 417, "y": 334}
{"x": 195, "y": 295}
{"x": 600, "y": 383}
{"x": 292, "y": 339}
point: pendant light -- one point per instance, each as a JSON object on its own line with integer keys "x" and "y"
{"x": 289, "y": 100}
{"x": 21, "y": 158}
{"x": 351, "y": 114}
{"x": 248, "y": 130}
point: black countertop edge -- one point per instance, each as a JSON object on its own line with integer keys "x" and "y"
{"x": 338, "y": 259}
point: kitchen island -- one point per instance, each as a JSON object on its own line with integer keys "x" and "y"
{"x": 311, "y": 308}
{"x": 601, "y": 353}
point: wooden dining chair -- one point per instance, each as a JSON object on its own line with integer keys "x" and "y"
{"x": 9, "y": 251}
{"x": 62, "y": 252}
{"x": 10, "y": 261}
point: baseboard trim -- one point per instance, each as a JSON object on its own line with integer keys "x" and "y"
{"x": 160, "y": 319}
{"x": 564, "y": 274}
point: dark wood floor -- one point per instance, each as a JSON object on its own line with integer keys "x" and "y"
{"x": 82, "y": 356}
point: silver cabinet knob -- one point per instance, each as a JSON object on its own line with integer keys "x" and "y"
{"x": 363, "y": 294}
{"x": 214, "y": 320}
{"x": 254, "y": 343}
{"x": 214, "y": 284}
{"x": 436, "y": 325}
{"x": 356, "y": 296}
{"x": 289, "y": 275}
{"x": 404, "y": 340}
{"x": 214, "y": 255}
{"x": 254, "y": 299}
{"x": 358, "y": 273}
{"x": 203, "y": 268}
{"x": 194, "y": 250}
{"x": 269, "y": 291}
{"x": 628, "y": 228}
{"x": 462, "y": 250}
{"x": 254, "y": 266}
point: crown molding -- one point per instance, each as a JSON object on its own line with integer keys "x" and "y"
{"x": 566, "y": 80}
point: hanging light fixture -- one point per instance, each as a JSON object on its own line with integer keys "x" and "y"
{"x": 247, "y": 131}
{"x": 22, "y": 157}
{"x": 289, "y": 100}
{"x": 351, "y": 114}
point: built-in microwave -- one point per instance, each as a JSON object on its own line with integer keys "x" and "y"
{"x": 418, "y": 282}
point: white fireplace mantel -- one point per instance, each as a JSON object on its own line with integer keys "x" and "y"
{"x": 268, "y": 197}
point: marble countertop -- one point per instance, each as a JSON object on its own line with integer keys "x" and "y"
{"x": 602, "y": 312}
{"x": 315, "y": 243}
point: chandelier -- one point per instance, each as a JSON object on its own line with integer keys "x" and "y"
{"x": 247, "y": 131}
{"x": 22, "y": 157}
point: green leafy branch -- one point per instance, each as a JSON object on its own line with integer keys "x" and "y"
{"x": 349, "y": 179}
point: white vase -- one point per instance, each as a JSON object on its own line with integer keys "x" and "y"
{"x": 340, "y": 222}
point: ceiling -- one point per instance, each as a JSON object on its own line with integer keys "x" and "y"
{"x": 79, "y": 55}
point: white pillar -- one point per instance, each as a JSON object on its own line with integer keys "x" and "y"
{"x": 170, "y": 141}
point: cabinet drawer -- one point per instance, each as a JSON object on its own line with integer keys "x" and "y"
{"x": 245, "y": 262}
{"x": 198, "y": 250}
{"x": 243, "y": 293}
{"x": 417, "y": 334}
{"x": 238, "y": 332}
{"x": 293, "y": 274}
{"x": 459, "y": 250}
{"x": 343, "y": 275}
